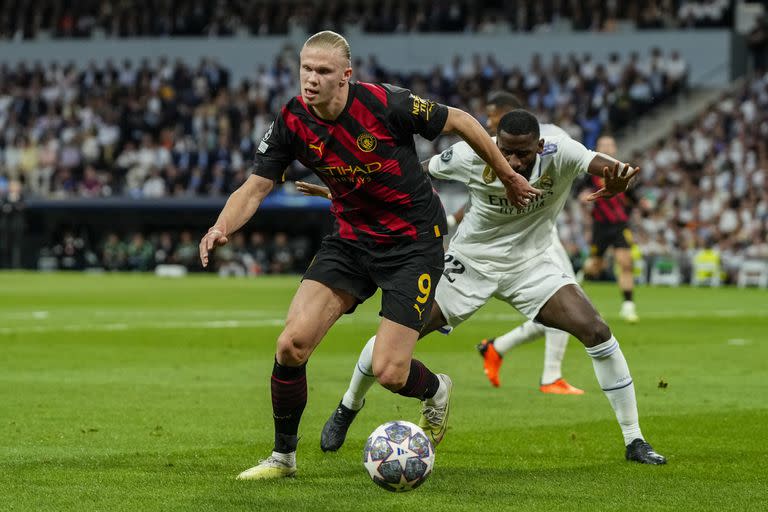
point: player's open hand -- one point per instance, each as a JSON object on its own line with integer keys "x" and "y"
{"x": 615, "y": 181}
{"x": 519, "y": 192}
{"x": 308, "y": 189}
{"x": 212, "y": 239}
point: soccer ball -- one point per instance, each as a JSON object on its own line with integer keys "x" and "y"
{"x": 398, "y": 456}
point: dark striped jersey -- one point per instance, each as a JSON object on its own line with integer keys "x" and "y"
{"x": 609, "y": 210}
{"x": 367, "y": 157}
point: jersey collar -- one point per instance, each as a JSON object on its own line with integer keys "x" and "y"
{"x": 536, "y": 173}
{"x": 350, "y": 97}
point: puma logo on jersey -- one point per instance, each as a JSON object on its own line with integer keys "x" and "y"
{"x": 318, "y": 148}
{"x": 420, "y": 311}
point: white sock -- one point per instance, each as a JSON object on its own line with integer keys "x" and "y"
{"x": 441, "y": 394}
{"x": 613, "y": 375}
{"x": 362, "y": 378}
{"x": 289, "y": 459}
{"x": 529, "y": 331}
{"x": 555, "y": 342}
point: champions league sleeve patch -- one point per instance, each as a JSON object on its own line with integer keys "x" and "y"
{"x": 446, "y": 155}
{"x": 550, "y": 148}
{"x": 263, "y": 146}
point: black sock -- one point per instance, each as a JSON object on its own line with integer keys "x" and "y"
{"x": 289, "y": 397}
{"x": 627, "y": 295}
{"x": 421, "y": 383}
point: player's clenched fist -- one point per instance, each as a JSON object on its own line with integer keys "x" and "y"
{"x": 519, "y": 192}
{"x": 215, "y": 237}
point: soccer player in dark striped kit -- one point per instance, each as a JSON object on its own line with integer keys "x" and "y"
{"x": 358, "y": 139}
{"x": 610, "y": 228}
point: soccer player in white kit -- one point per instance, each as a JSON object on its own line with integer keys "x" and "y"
{"x": 503, "y": 252}
{"x": 555, "y": 341}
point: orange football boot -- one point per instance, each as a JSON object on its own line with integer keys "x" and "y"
{"x": 560, "y": 387}
{"x": 491, "y": 361}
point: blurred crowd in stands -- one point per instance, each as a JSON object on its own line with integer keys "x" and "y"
{"x": 161, "y": 129}
{"x": 169, "y": 129}
{"x": 704, "y": 187}
{"x": 227, "y": 18}
{"x": 247, "y": 254}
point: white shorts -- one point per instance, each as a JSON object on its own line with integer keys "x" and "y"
{"x": 558, "y": 253}
{"x": 463, "y": 290}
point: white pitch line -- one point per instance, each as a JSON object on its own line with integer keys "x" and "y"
{"x": 368, "y": 318}
{"x": 230, "y": 314}
{"x": 215, "y": 324}
{"x": 253, "y": 313}
{"x": 120, "y": 313}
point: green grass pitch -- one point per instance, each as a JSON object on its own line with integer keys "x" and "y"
{"x": 131, "y": 392}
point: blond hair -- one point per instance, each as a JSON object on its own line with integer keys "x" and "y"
{"x": 330, "y": 40}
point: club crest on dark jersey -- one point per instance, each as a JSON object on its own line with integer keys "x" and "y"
{"x": 489, "y": 175}
{"x": 366, "y": 142}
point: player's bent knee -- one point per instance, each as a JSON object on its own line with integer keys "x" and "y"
{"x": 392, "y": 378}
{"x": 290, "y": 351}
{"x": 596, "y": 332}
{"x": 625, "y": 263}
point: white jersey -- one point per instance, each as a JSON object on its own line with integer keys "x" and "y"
{"x": 495, "y": 235}
{"x": 552, "y": 130}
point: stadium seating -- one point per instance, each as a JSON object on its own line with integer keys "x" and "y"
{"x": 703, "y": 185}
{"x": 156, "y": 129}
{"x": 753, "y": 273}
{"x": 167, "y": 129}
{"x": 228, "y": 18}
{"x": 665, "y": 272}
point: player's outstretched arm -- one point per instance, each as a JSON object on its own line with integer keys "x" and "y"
{"x": 617, "y": 176}
{"x": 519, "y": 191}
{"x": 240, "y": 207}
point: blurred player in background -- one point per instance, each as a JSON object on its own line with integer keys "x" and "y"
{"x": 610, "y": 229}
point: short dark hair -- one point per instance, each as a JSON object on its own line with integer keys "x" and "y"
{"x": 504, "y": 99}
{"x": 519, "y": 122}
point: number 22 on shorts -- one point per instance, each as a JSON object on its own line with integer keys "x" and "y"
{"x": 425, "y": 286}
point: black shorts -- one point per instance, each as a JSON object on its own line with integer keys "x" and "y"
{"x": 406, "y": 273}
{"x": 604, "y": 236}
